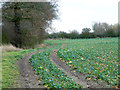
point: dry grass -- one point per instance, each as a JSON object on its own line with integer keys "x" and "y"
{"x": 9, "y": 48}
{"x": 42, "y": 45}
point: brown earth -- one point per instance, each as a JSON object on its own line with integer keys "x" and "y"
{"x": 28, "y": 79}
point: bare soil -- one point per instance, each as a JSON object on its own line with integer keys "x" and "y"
{"x": 28, "y": 79}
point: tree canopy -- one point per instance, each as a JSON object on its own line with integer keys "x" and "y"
{"x": 24, "y": 23}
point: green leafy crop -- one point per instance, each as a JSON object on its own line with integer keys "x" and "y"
{"x": 51, "y": 76}
{"x": 96, "y": 58}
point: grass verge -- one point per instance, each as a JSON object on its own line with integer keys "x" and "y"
{"x": 10, "y": 72}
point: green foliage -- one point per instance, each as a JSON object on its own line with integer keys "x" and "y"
{"x": 96, "y": 58}
{"x": 86, "y": 30}
{"x": 51, "y": 76}
{"x": 72, "y": 35}
{"x": 86, "y": 33}
{"x": 110, "y": 33}
{"x": 10, "y": 72}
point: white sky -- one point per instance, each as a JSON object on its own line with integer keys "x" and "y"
{"x": 78, "y": 14}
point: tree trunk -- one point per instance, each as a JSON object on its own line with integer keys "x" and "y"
{"x": 18, "y": 37}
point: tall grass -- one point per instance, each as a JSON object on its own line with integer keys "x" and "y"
{"x": 9, "y": 48}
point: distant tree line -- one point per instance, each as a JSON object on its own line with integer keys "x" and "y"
{"x": 99, "y": 30}
{"x": 24, "y": 23}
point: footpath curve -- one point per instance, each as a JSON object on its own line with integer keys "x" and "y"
{"x": 27, "y": 77}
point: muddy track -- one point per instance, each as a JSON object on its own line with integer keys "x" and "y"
{"x": 79, "y": 78}
{"x": 27, "y": 77}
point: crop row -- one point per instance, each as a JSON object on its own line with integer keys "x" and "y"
{"x": 99, "y": 63}
{"x": 51, "y": 76}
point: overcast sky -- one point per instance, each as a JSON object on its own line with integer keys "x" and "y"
{"x": 78, "y": 14}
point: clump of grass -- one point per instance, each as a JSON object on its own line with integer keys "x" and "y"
{"x": 9, "y": 48}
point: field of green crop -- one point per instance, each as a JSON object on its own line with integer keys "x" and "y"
{"x": 96, "y": 58}
{"x": 51, "y": 76}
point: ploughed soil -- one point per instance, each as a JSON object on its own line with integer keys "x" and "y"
{"x": 28, "y": 79}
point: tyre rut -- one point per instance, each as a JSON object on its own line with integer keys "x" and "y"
{"x": 27, "y": 77}
{"x": 77, "y": 77}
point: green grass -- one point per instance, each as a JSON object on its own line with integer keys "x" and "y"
{"x": 10, "y": 72}
{"x": 9, "y": 69}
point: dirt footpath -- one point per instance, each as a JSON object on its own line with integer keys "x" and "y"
{"x": 28, "y": 79}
